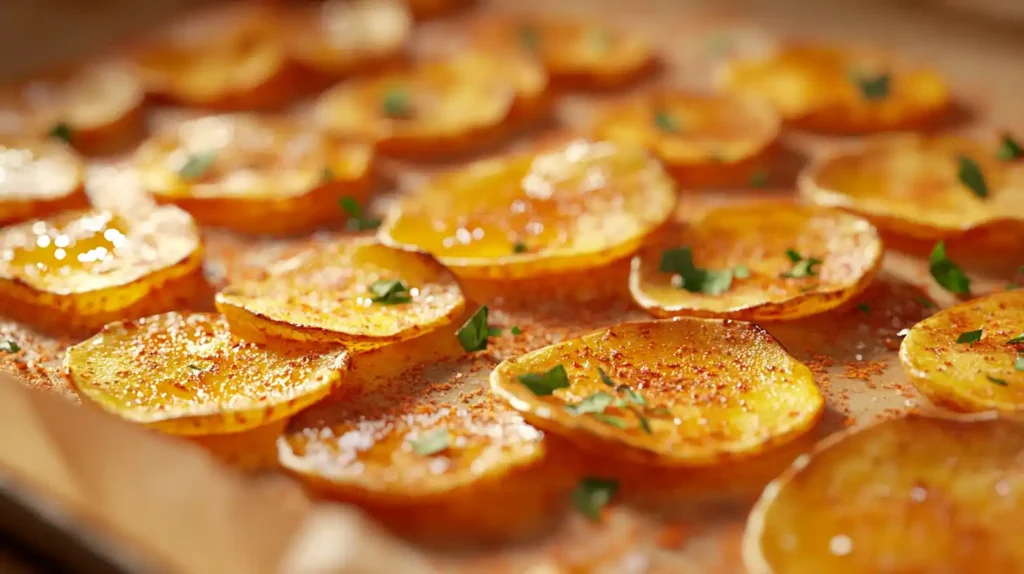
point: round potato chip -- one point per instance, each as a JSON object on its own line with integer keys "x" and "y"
{"x": 255, "y": 175}
{"x": 703, "y": 140}
{"x": 970, "y": 357}
{"x": 834, "y": 90}
{"x": 772, "y": 260}
{"x": 228, "y": 57}
{"x": 352, "y": 290}
{"x": 338, "y": 38}
{"x": 39, "y": 178}
{"x": 440, "y": 108}
{"x": 187, "y": 374}
{"x": 907, "y": 495}
{"x": 79, "y": 270}
{"x": 579, "y": 206}
{"x": 921, "y": 187}
{"x": 96, "y": 108}
{"x": 576, "y": 54}
{"x": 682, "y": 392}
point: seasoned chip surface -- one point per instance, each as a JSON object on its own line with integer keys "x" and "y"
{"x": 253, "y": 174}
{"x": 579, "y": 206}
{"x": 707, "y": 390}
{"x": 907, "y": 495}
{"x": 325, "y": 294}
{"x": 986, "y": 374}
{"x": 833, "y": 90}
{"x": 39, "y": 178}
{"x": 911, "y": 185}
{"x": 799, "y": 261}
{"x": 187, "y": 374}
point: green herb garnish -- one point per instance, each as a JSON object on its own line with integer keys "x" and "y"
{"x": 515, "y": 330}
{"x": 864, "y": 308}
{"x": 9, "y": 346}
{"x": 529, "y": 37}
{"x": 694, "y": 279}
{"x": 926, "y": 303}
{"x": 971, "y": 337}
{"x": 741, "y": 272}
{"x": 357, "y": 220}
{"x": 1018, "y": 340}
{"x": 1009, "y": 149}
{"x": 197, "y": 165}
{"x": 970, "y": 175}
{"x": 996, "y": 380}
{"x": 873, "y": 88}
{"x": 519, "y": 247}
{"x": 326, "y": 175}
{"x": 617, "y": 422}
{"x": 631, "y": 395}
{"x": 595, "y": 403}
{"x": 759, "y": 178}
{"x": 646, "y": 426}
{"x": 390, "y": 292}
{"x": 801, "y": 267}
{"x": 542, "y": 384}
{"x": 605, "y": 378}
{"x": 195, "y": 367}
{"x": 396, "y": 103}
{"x": 61, "y": 131}
{"x": 431, "y": 443}
{"x": 947, "y": 273}
{"x": 592, "y": 494}
{"x": 474, "y": 332}
{"x": 1019, "y": 364}
{"x": 666, "y": 122}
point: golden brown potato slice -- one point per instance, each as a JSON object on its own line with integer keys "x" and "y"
{"x": 579, "y": 206}
{"x": 227, "y": 57}
{"x": 771, "y": 260}
{"x": 834, "y": 90}
{"x": 440, "y": 108}
{"x": 353, "y": 291}
{"x": 682, "y": 392}
{"x": 703, "y": 140}
{"x": 79, "y": 270}
{"x": 916, "y": 186}
{"x": 337, "y": 38}
{"x": 96, "y": 108}
{"x": 255, "y": 174}
{"x": 39, "y": 178}
{"x": 906, "y": 495}
{"x": 187, "y": 374}
{"x": 970, "y": 357}
{"x": 576, "y": 54}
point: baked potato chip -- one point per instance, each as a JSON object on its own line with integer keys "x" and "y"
{"x": 353, "y": 291}
{"x": 39, "y": 178}
{"x": 912, "y": 185}
{"x": 440, "y": 108}
{"x": 906, "y": 495}
{"x": 576, "y": 54}
{"x": 576, "y": 207}
{"x": 187, "y": 374}
{"x": 681, "y": 392}
{"x": 337, "y": 38}
{"x": 970, "y": 357}
{"x": 75, "y": 272}
{"x": 703, "y": 140}
{"x": 228, "y": 57}
{"x": 740, "y": 263}
{"x": 255, "y": 174}
{"x": 846, "y": 91}
{"x": 96, "y": 108}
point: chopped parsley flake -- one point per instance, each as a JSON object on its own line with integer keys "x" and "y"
{"x": 617, "y": 422}
{"x": 431, "y": 443}
{"x": 666, "y": 122}
{"x": 970, "y": 175}
{"x": 874, "y": 87}
{"x": 1018, "y": 340}
{"x": 996, "y": 380}
{"x": 759, "y": 178}
{"x": 357, "y": 220}
{"x": 741, "y": 272}
{"x": 631, "y": 395}
{"x": 519, "y": 247}
{"x": 197, "y": 165}
{"x": 529, "y": 37}
{"x": 9, "y": 346}
{"x": 326, "y": 175}
{"x": 595, "y": 403}
{"x": 61, "y": 131}
{"x": 473, "y": 333}
{"x": 801, "y": 267}
{"x": 542, "y": 384}
{"x": 947, "y": 273}
{"x": 605, "y": 378}
{"x": 592, "y": 494}
{"x": 515, "y": 330}
{"x": 1009, "y": 149}
{"x": 396, "y": 104}
{"x": 646, "y": 426}
{"x": 195, "y": 367}
{"x": 971, "y": 337}
{"x": 864, "y": 308}
{"x": 390, "y": 292}
{"x": 1019, "y": 364}
{"x": 694, "y": 279}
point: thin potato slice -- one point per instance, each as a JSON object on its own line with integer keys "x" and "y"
{"x": 39, "y": 178}
{"x": 324, "y": 295}
{"x": 97, "y": 108}
{"x": 987, "y": 374}
{"x": 440, "y": 108}
{"x": 910, "y": 185}
{"x": 580, "y": 206}
{"x": 255, "y": 175}
{"x": 834, "y": 90}
{"x": 907, "y": 495}
{"x": 776, "y": 261}
{"x": 338, "y": 38}
{"x": 706, "y": 390}
{"x": 576, "y": 54}
{"x": 187, "y": 374}
{"x": 227, "y": 58}
{"x": 79, "y": 270}
{"x": 703, "y": 140}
